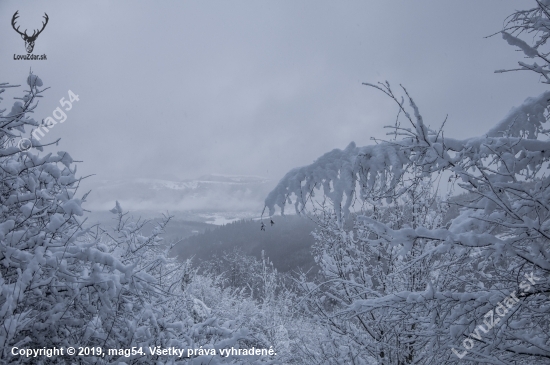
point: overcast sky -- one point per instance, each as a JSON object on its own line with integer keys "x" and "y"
{"x": 178, "y": 89}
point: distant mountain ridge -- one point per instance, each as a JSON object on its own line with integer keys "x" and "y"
{"x": 208, "y": 193}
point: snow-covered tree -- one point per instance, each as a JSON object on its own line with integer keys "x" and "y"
{"x": 62, "y": 285}
{"x": 464, "y": 271}
{"x": 256, "y": 294}
{"x": 358, "y": 264}
{"x": 39, "y": 226}
{"x": 160, "y": 305}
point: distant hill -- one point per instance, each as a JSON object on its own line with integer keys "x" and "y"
{"x": 213, "y": 193}
{"x": 287, "y": 243}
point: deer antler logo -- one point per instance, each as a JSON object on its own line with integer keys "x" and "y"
{"x": 29, "y": 39}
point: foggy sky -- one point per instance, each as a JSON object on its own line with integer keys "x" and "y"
{"x": 178, "y": 89}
